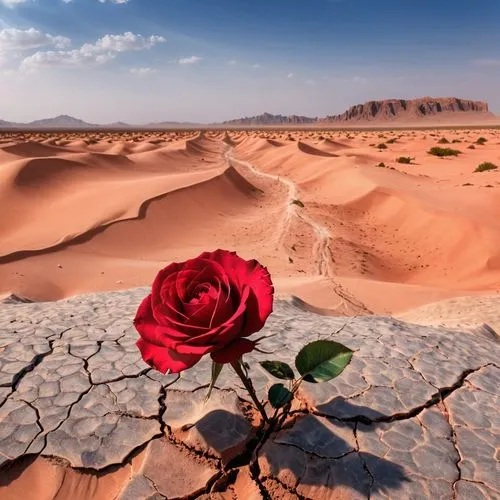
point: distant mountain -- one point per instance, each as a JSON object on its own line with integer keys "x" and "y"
{"x": 4, "y": 124}
{"x": 58, "y": 122}
{"x": 402, "y": 110}
{"x": 61, "y": 121}
{"x": 269, "y": 119}
{"x": 446, "y": 110}
{"x": 116, "y": 125}
{"x": 160, "y": 125}
{"x": 69, "y": 122}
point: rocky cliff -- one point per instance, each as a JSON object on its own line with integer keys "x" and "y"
{"x": 269, "y": 119}
{"x": 412, "y": 110}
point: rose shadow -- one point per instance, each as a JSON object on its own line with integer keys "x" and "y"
{"x": 317, "y": 459}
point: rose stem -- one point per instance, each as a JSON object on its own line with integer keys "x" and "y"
{"x": 249, "y": 387}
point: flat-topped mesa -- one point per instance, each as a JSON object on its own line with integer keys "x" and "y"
{"x": 270, "y": 119}
{"x": 413, "y": 109}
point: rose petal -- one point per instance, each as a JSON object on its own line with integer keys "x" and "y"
{"x": 213, "y": 314}
{"x": 208, "y": 272}
{"x": 198, "y": 350}
{"x": 213, "y": 267}
{"x": 254, "y": 275}
{"x": 233, "y": 351}
{"x": 154, "y": 333}
{"x": 185, "y": 279}
{"x": 166, "y": 305}
{"x": 162, "y": 275}
{"x": 164, "y": 359}
{"x": 217, "y": 337}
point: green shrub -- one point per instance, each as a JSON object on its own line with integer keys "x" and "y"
{"x": 481, "y": 141}
{"x": 487, "y": 165}
{"x": 443, "y": 140}
{"x": 405, "y": 159}
{"x": 436, "y": 151}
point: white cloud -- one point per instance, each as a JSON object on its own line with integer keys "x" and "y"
{"x": 118, "y": 2}
{"x": 126, "y": 41}
{"x": 190, "y": 60}
{"x": 256, "y": 66}
{"x": 16, "y": 39}
{"x": 232, "y": 62}
{"x": 12, "y": 3}
{"x": 310, "y": 82}
{"x": 290, "y": 75}
{"x": 64, "y": 59}
{"x": 142, "y": 71}
{"x": 103, "y": 50}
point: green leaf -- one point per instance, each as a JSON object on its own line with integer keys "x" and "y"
{"x": 278, "y": 369}
{"x": 279, "y": 395}
{"x": 216, "y": 369}
{"x": 322, "y": 360}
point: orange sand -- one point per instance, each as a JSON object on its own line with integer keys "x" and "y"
{"x": 100, "y": 211}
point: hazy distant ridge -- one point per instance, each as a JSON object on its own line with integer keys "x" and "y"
{"x": 443, "y": 109}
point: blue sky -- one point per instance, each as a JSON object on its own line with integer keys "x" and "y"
{"x": 202, "y": 60}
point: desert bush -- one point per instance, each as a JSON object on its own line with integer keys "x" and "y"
{"x": 443, "y": 140}
{"x": 391, "y": 141}
{"x": 382, "y": 146}
{"x": 481, "y": 141}
{"x": 436, "y": 151}
{"x": 405, "y": 160}
{"x": 471, "y": 147}
{"x": 487, "y": 165}
{"x": 298, "y": 203}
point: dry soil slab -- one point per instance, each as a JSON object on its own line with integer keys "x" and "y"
{"x": 415, "y": 414}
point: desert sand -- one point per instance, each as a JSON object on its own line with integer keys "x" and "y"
{"x": 104, "y": 211}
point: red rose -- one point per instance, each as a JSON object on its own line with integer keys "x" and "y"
{"x": 204, "y": 305}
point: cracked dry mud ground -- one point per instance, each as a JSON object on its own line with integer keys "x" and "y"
{"x": 415, "y": 414}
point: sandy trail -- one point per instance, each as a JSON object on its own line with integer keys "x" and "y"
{"x": 321, "y": 253}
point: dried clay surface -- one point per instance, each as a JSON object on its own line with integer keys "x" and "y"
{"x": 414, "y": 415}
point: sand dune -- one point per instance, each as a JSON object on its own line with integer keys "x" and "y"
{"x": 310, "y": 150}
{"x": 31, "y": 148}
{"x": 333, "y": 145}
{"x": 337, "y": 220}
